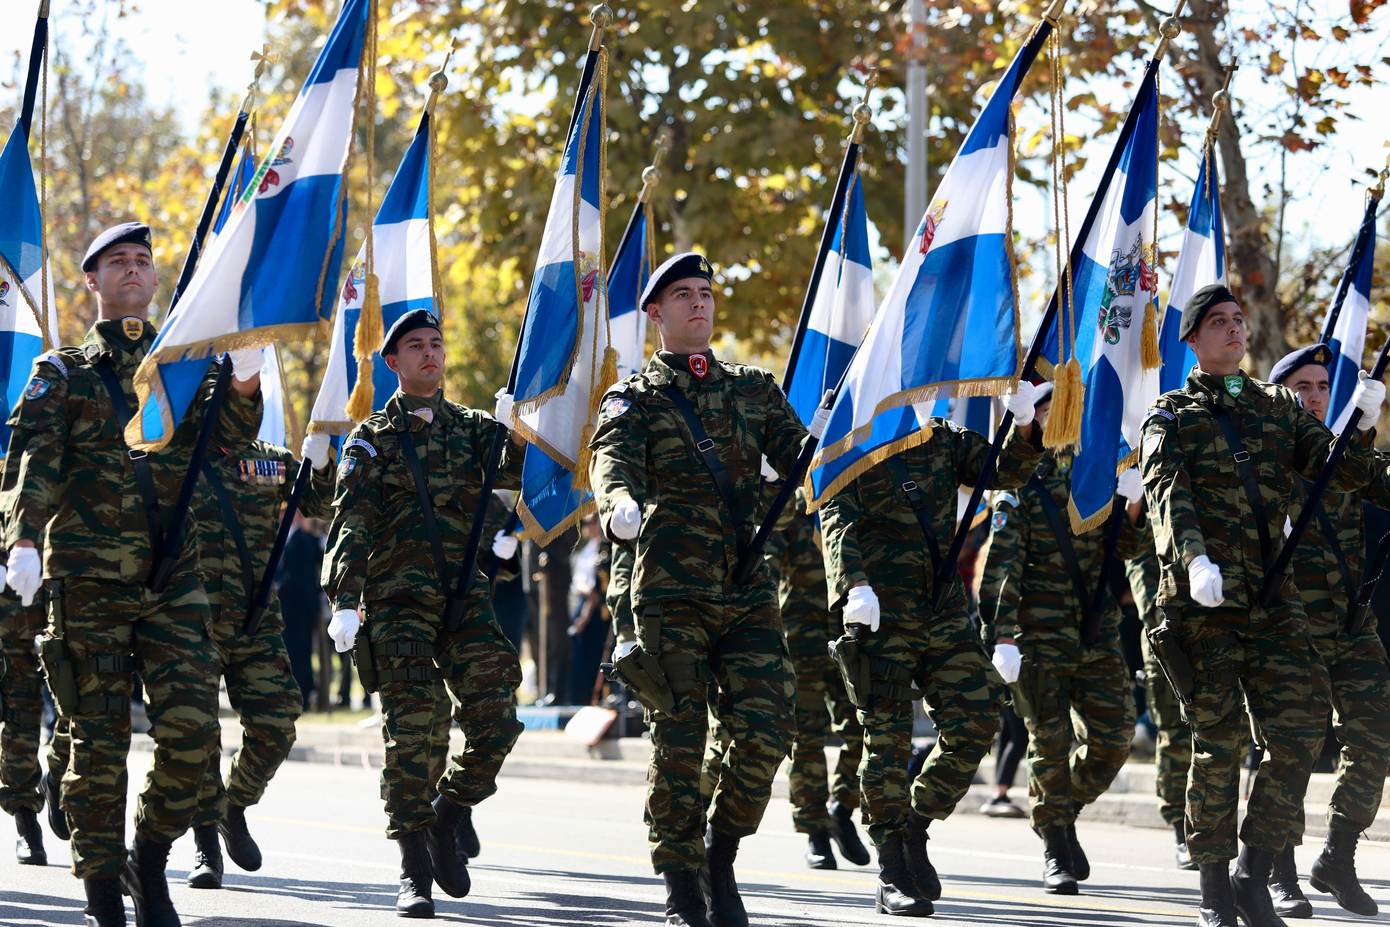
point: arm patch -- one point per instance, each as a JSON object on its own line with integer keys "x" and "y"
{"x": 1163, "y": 413}
{"x": 350, "y": 443}
{"x": 54, "y": 359}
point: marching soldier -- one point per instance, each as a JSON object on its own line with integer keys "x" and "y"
{"x": 73, "y": 485}
{"x": 1069, "y": 687}
{"x": 1328, "y": 569}
{"x": 676, "y": 462}
{"x": 22, "y": 699}
{"x": 408, "y": 486}
{"x": 1221, "y": 459}
{"x": 883, "y": 535}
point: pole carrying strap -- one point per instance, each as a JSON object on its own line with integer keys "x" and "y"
{"x": 1252, "y": 485}
{"x": 417, "y": 472}
{"x": 898, "y": 469}
{"x": 1059, "y": 528}
{"x": 1330, "y": 535}
{"x": 248, "y": 572}
{"x": 704, "y": 445}
{"x": 144, "y": 478}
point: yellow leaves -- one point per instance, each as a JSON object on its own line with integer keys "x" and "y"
{"x": 1275, "y": 64}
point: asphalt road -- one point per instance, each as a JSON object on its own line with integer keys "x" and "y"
{"x": 566, "y": 852}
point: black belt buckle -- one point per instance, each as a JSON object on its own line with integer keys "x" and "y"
{"x": 1242, "y": 456}
{"x": 135, "y": 454}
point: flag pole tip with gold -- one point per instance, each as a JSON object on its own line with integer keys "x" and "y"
{"x": 601, "y": 15}
{"x": 43, "y": 9}
{"x": 1378, "y": 190}
{"x": 1054, "y": 12}
{"x": 262, "y": 58}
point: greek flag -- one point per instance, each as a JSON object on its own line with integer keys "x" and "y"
{"x": 274, "y": 428}
{"x": 270, "y": 274}
{"x": 1201, "y": 262}
{"x": 1348, "y": 340}
{"x": 843, "y": 308}
{"x": 565, "y": 340}
{"x": 627, "y": 277}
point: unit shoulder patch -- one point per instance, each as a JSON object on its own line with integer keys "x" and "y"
{"x": 1152, "y": 443}
{"x": 56, "y": 360}
{"x": 37, "y": 389}
{"x": 350, "y": 443}
{"x": 1162, "y": 413}
{"x": 1006, "y": 498}
{"x": 615, "y": 406}
{"x": 1000, "y": 520}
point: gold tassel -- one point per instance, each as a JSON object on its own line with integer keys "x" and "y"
{"x": 580, "y": 481}
{"x": 366, "y": 340}
{"x": 1148, "y": 340}
{"x": 1064, "y": 421}
{"x": 607, "y": 376}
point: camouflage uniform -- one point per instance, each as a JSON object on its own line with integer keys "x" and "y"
{"x": 871, "y": 533}
{"x": 683, "y": 595}
{"x": 260, "y": 685}
{"x": 379, "y": 554}
{"x": 22, "y": 698}
{"x": 1066, "y": 692}
{"x": 72, "y": 490}
{"x": 1198, "y": 506}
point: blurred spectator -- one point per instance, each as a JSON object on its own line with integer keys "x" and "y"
{"x": 588, "y": 630}
{"x": 301, "y": 597}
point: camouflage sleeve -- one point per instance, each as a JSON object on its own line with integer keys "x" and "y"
{"x": 34, "y": 465}
{"x": 785, "y": 434}
{"x": 238, "y": 420}
{"x": 318, "y": 495}
{"x": 618, "y": 468}
{"x": 356, "y": 507}
{"x": 497, "y": 518}
{"x": 618, "y": 594}
{"x": 1377, "y": 491}
{"x": 1313, "y": 441}
{"x": 1006, "y": 555}
{"x": 1134, "y": 539}
{"x": 840, "y": 544}
{"x": 509, "y": 470}
{"x": 1168, "y": 490}
{"x": 1017, "y": 459}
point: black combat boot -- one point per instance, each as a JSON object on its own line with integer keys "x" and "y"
{"x": 685, "y": 902}
{"x": 414, "y": 899}
{"x": 57, "y": 821}
{"x": 240, "y": 847}
{"x": 897, "y": 889}
{"x": 1184, "y": 858}
{"x": 1288, "y": 898}
{"x": 1250, "y": 887}
{"x": 465, "y": 836}
{"x": 845, "y": 836}
{"x": 146, "y": 884}
{"x": 725, "y": 903}
{"x": 1335, "y": 871}
{"x": 1218, "y": 907}
{"x": 819, "y": 855}
{"x": 105, "y": 907}
{"x": 207, "y": 858}
{"x": 450, "y": 867}
{"x": 1080, "y": 865}
{"x": 28, "y": 849}
{"x": 1058, "y": 877}
{"x": 915, "y": 856}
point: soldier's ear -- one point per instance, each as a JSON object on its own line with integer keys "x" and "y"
{"x": 391, "y": 362}
{"x": 91, "y": 281}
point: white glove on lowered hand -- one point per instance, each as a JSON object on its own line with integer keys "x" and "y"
{"x": 625, "y": 521}
{"x": 504, "y": 545}
{"x": 1131, "y": 485}
{"x": 246, "y": 363}
{"x": 1368, "y": 396}
{"x": 23, "y": 573}
{"x": 1204, "y": 578}
{"x": 503, "y": 410}
{"x": 769, "y": 474}
{"x": 315, "y": 450}
{"x": 819, "y": 421}
{"x": 862, "y": 607}
{"x": 1008, "y": 661}
{"x": 343, "y": 628}
{"x": 1020, "y": 403}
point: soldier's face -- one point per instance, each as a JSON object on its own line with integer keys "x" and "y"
{"x": 419, "y": 361}
{"x": 1311, "y": 384}
{"x": 684, "y": 315}
{"x": 124, "y": 281}
{"x": 1040, "y": 414}
{"x": 1219, "y": 341}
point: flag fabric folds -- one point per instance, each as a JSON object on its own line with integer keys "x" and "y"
{"x": 270, "y": 274}
{"x": 627, "y": 277}
{"x": 1201, "y": 262}
{"x": 1348, "y": 341}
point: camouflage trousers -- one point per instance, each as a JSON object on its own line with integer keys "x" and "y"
{"x": 168, "y": 634}
{"x": 962, "y": 692}
{"x": 1269, "y": 656}
{"x": 22, "y": 696}
{"x": 1080, "y": 701}
{"x": 739, "y": 647}
{"x": 267, "y": 701}
{"x": 1173, "y": 750}
{"x": 481, "y": 675}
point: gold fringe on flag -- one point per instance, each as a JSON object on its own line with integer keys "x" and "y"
{"x": 1063, "y": 427}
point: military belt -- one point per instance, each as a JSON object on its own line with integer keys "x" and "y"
{"x": 1197, "y": 648}
{"x": 919, "y": 508}
{"x": 103, "y": 705}
{"x": 704, "y": 446}
{"x": 1217, "y": 677}
{"x": 105, "y": 663}
{"x": 1063, "y": 534}
{"x": 403, "y": 649}
{"x": 229, "y": 517}
{"x": 892, "y": 681}
{"x": 1252, "y": 485}
{"x": 140, "y": 461}
{"x": 417, "y": 472}
{"x": 25, "y": 718}
{"x": 420, "y": 673}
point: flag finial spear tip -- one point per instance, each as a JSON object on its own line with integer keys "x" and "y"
{"x": 1055, "y": 10}
{"x": 43, "y": 9}
{"x": 1378, "y": 191}
{"x": 601, "y": 15}
{"x": 1169, "y": 29}
{"x": 862, "y": 112}
{"x": 651, "y": 175}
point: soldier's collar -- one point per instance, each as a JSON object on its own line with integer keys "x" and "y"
{"x": 683, "y": 369}
{"x": 401, "y": 404}
{"x": 1215, "y": 388}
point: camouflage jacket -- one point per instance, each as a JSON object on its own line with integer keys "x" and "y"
{"x": 1031, "y": 596}
{"x": 618, "y": 596}
{"x": 258, "y": 482}
{"x": 69, "y": 481}
{"x": 687, "y": 547}
{"x": 870, "y": 531}
{"x": 794, "y": 552}
{"x": 378, "y": 548}
{"x": 1196, "y": 497}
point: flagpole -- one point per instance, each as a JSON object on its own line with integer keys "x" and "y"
{"x": 37, "y": 50}
{"x": 1363, "y": 237}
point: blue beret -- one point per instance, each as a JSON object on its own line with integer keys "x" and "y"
{"x": 675, "y": 268}
{"x": 1319, "y": 354}
{"x": 127, "y": 232}
{"x": 415, "y": 318}
{"x": 1199, "y": 304}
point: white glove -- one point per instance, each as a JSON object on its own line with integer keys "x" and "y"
{"x": 23, "y": 573}
{"x": 625, "y": 521}
{"x": 1368, "y": 396}
{"x": 343, "y": 628}
{"x": 503, "y": 410}
{"x": 1020, "y": 402}
{"x": 769, "y": 474}
{"x": 246, "y": 363}
{"x": 1204, "y": 578}
{"x": 1131, "y": 485}
{"x": 819, "y": 421}
{"x": 862, "y": 607}
{"x": 315, "y": 450}
{"x": 504, "y": 545}
{"x": 1008, "y": 661}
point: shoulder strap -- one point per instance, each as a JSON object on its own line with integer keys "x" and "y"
{"x": 229, "y": 516}
{"x": 704, "y": 445}
{"x": 919, "y": 508}
{"x": 1063, "y": 535}
{"x": 144, "y": 478}
{"x": 1252, "y": 485}
{"x": 1330, "y": 536}
{"x": 417, "y": 472}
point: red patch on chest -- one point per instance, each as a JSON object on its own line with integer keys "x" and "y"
{"x": 699, "y": 365}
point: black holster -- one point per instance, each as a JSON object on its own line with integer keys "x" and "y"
{"x": 1168, "y": 651}
{"x": 362, "y": 657}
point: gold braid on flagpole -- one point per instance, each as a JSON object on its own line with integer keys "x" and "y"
{"x": 439, "y": 82}
{"x": 1149, "y": 357}
{"x": 651, "y": 174}
{"x": 1063, "y": 428}
{"x": 44, "y": 335}
{"x": 1378, "y": 190}
{"x": 369, "y": 332}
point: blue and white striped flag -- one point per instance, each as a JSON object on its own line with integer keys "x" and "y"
{"x": 627, "y": 277}
{"x": 565, "y": 361}
{"x": 843, "y": 309}
{"x": 270, "y": 274}
{"x": 1201, "y": 262}
{"x": 1348, "y": 341}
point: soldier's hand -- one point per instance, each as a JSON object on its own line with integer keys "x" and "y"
{"x": 246, "y": 363}
{"x": 625, "y": 521}
{"x": 504, "y": 545}
{"x": 1008, "y": 661}
{"x": 1020, "y": 403}
{"x": 769, "y": 473}
{"x": 23, "y": 573}
{"x": 862, "y": 607}
{"x": 1204, "y": 579}
{"x": 503, "y": 410}
{"x": 1131, "y": 486}
{"x": 343, "y": 628}
{"x": 315, "y": 449}
{"x": 1368, "y": 396}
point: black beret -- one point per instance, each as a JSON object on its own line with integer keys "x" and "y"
{"x": 127, "y": 232}
{"x": 1319, "y": 354}
{"x": 675, "y": 268}
{"x": 415, "y": 318}
{"x": 1199, "y": 304}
